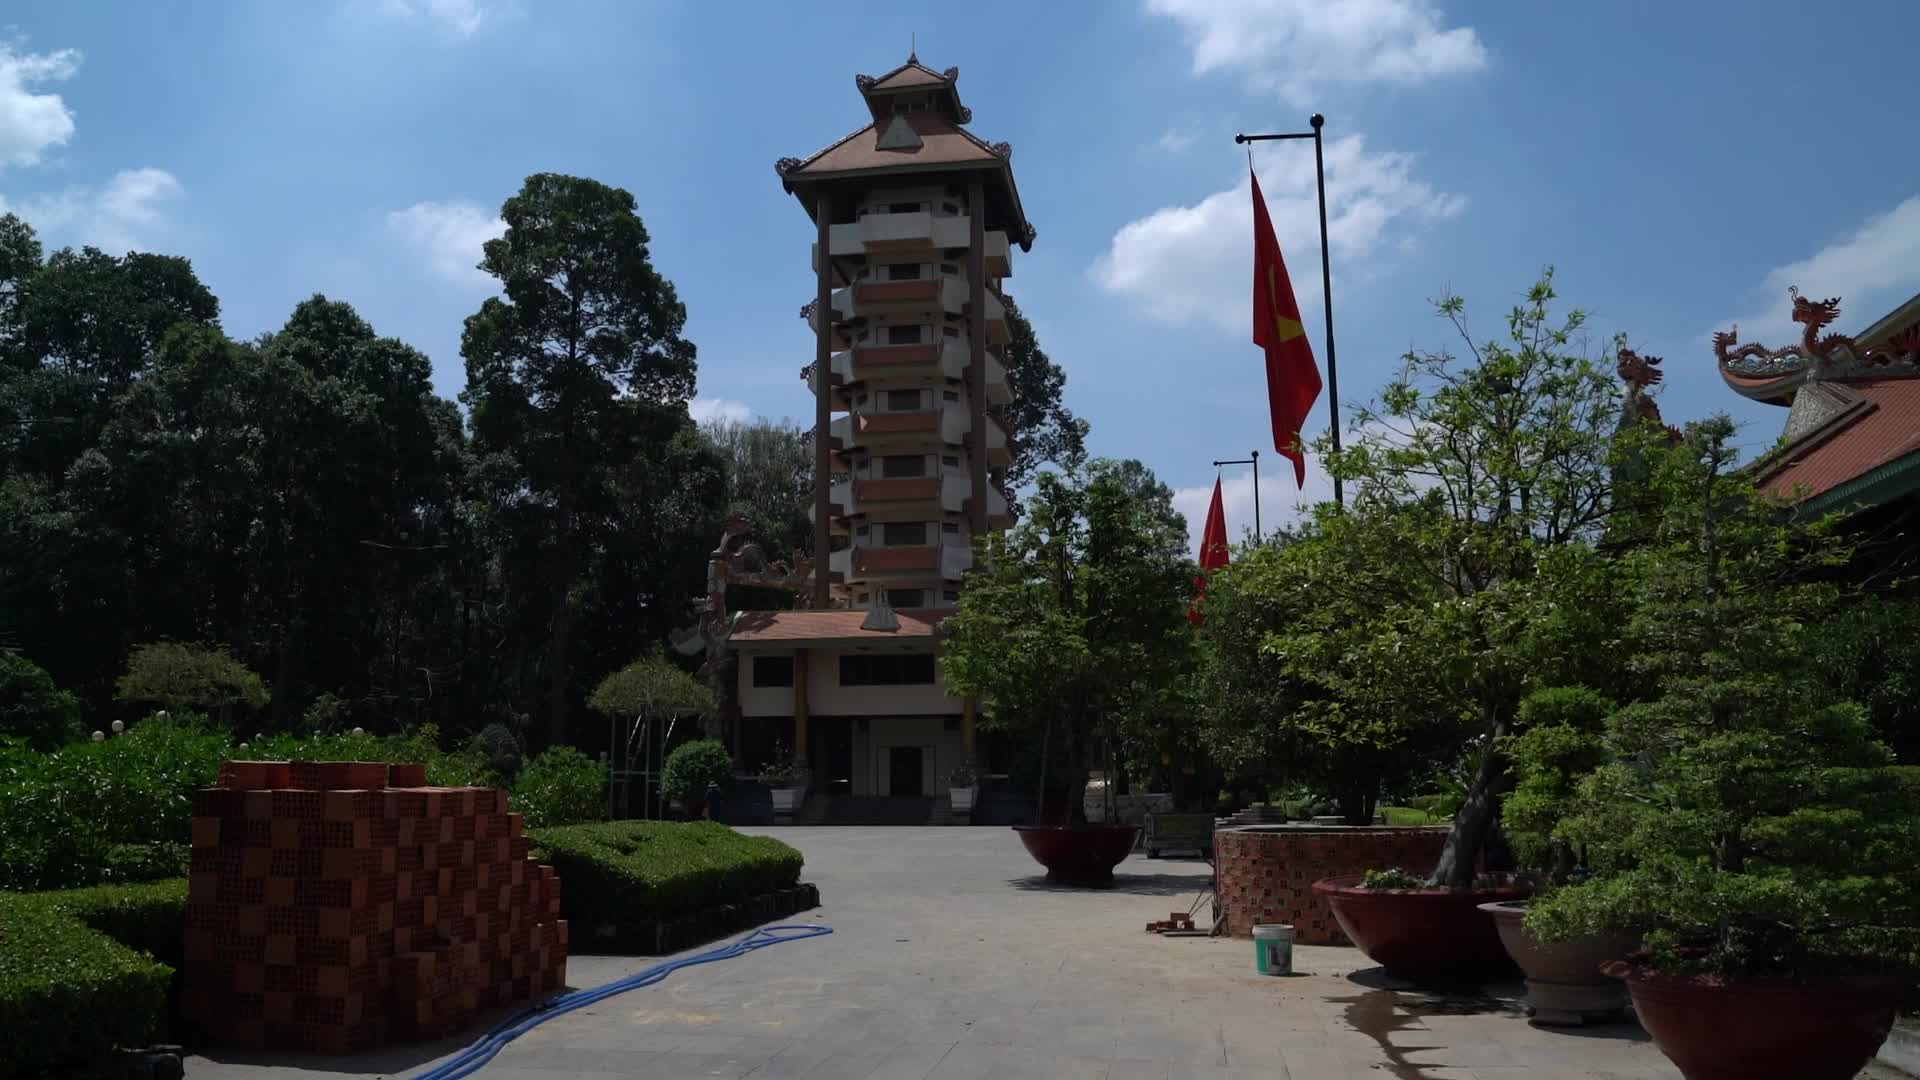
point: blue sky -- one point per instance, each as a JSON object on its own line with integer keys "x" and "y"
{"x": 1680, "y": 164}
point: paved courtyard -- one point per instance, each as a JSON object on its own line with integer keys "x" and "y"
{"x": 951, "y": 960}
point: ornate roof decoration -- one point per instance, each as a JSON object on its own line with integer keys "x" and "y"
{"x": 966, "y": 115}
{"x": 806, "y": 309}
{"x": 1004, "y": 149}
{"x": 952, "y": 74}
{"x": 864, "y": 82}
{"x": 1774, "y": 375}
{"x": 1032, "y": 234}
{"x": 881, "y": 616}
{"x": 786, "y": 165}
{"x": 1640, "y": 373}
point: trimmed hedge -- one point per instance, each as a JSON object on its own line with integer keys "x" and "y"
{"x": 81, "y": 972}
{"x": 635, "y": 871}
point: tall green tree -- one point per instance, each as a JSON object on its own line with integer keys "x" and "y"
{"x": 769, "y": 470}
{"x": 572, "y": 373}
{"x": 1515, "y": 444}
{"x": 1074, "y": 633}
{"x": 1041, "y": 430}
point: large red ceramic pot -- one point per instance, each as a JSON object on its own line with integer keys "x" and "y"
{"x": 1079, "y": 854}
{"x": 1719, "y": 1029}
{"x": 1432, "y": 936}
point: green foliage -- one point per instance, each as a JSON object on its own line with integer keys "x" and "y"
{"x": 497, "y": 750}
{"x": 1865, "y": 653}
{"x": 1040, "y": 429}
{"x": 1394, "y": 879}
{"x": 451, "y": 768}
{"x": 1748, "y": 821}
{"x": 632, "y": 871}
{"x": 1076, "y": 621}
{"x": 769, "y": 470}
{"x": 653, "y": 686}
{"x": 178, "y": 676}
{"x": 693, "y": 767}
{"x": 32, "y": 708}
{"x": 79, "y": 975}
{"x": 1403, "y": 816}
{"x": 780, "y": 769}
{"x": 561, "y": 787}
{"x": 1560, "y": 746}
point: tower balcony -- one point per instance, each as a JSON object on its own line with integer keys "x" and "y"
{"x": 917, "y": 498}
{"x": 883, "y": 367}
{"x": 898, "y": 234}
{"x": 893, "y": 564}
{"x": 917, "y": 431}
{"x": 943, "y": 295}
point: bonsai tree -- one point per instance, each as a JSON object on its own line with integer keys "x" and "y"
{"x": 1514, "y": 446}
{"x": 695, "y": 766}
{"x": 184, "y": 676}
{"x": 1559, "y": 748}
{"x": 1745, "y": 818}
{"x": 1073, "y": 630}
{"x": 780, "y": 770}
{"x": 963, "y": 776}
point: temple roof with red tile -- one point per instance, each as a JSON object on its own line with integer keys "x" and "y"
{"x": 917, "y": 127}
{"x": 916, "y": 628}
{"x": 1852, "y": 436}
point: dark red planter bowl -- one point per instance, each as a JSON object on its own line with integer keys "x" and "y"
{"x": 1079, "y": 854}
{"x": 1815, "y": 1029}
{"x": 1432, "y": 936}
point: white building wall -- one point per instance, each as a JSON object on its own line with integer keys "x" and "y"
{"x": 829, "y": 698}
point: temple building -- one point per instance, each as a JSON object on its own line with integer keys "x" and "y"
{"x": 1851, "y": 442}
{"x": 915, "y": 220}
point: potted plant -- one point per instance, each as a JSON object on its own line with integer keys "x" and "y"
{"x": 1745, "y": 817}
{"x": 781, "y": 774}
{"x": 961, "y": 784}
{"x": 1073, "y": 632}
{"x": 1565, "y": 984}
{"x": 692, "y": 769}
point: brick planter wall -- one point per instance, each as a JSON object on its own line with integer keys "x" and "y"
{"x": 1266, "y": 873}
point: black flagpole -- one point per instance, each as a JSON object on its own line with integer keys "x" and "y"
{"x": 1326, "y": 271}
{"x": 1255, "y": 462}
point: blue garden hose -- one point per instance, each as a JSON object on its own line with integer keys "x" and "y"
{"x": 470, "y": 1060}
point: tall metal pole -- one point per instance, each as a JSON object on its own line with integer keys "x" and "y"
{"x": 1326, "y": 271}
{"x": 1254, "y": 461}
{"x": 1326, "y": 295}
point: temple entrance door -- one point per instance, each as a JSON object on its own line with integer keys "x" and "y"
{"x": 904, "y": 774}
{"x": 833, "y": 756}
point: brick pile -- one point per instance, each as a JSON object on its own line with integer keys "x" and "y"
{"x": 336, "y": 905}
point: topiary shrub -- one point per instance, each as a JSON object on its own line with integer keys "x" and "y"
{"x": 496, "y": 748}
{"x": 1559, "y": 746}
{"x": 79, "y": 975}
{"x": 33, "y": 709}
{"x": 561, "y": 787}
{"x": 695, "y": 766}
{"x": 632, "y": 871}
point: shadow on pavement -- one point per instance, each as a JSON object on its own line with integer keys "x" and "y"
{"x": 1124, "y": 883}
{"x": 1384, "y": 997}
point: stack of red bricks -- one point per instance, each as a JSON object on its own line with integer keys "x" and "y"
{"x": 334, "y": 905}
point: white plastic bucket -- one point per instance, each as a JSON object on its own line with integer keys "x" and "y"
{"x": 1273, "y": 949}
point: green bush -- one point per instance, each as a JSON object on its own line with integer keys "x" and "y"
{"x": 631, "y": 871}
{"x": 1559, "y": 746}
{"x": 33, "y": 709}
{"x": 79, "y": 975}
{"x": 695, "y": 766}
{"x": 561, "y": 787}
{"x": 196, "y": 676}
{"x": 497, "y": 749}
{"x": 451, "y": 768}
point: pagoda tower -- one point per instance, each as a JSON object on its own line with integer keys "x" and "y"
{"x": 915, "y": 218}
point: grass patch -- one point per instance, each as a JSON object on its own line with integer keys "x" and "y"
{"x": 81, "y": 972}
{"x": 1409, "y": 815}
{"x": 625, "y": 872}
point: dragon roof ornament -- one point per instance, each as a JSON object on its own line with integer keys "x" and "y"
{"x": 1765, "y": 374}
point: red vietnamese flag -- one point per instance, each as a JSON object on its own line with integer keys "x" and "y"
{"x": 1213, "y": 552}
{"x": 1293, "y": 379}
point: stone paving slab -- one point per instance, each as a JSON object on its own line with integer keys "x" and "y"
{"x": 952, "y": 960}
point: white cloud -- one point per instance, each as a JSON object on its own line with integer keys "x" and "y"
{"x": 1297, "y": 48}
{"x": 717, "y": 408}
{"x": 31, "y": 123}
{"x": 449, "y": 236}
{"x": 462, "y": 17}
{"x": 1281, "y": 503}
{"x": 115, "y": 216}
{"x": 1174, "y": 141}
{"x": 1191, "y": 263}
{"x": 1871, "y": 271}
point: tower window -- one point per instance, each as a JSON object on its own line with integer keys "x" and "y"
{"x": 903, "y": 271}
{"x": 949, "y": 527}
{"x": 903, "y": 335}
{"x": 906, "y": 598}
{"x": 951, "y": 595}
{"x": 949, "y": 395}
{"x": 897, "y": 669}
{"x": 950, "y": 461}
{"x": 903, "y": 466}
{"x": 950, "y": 331}
{"x": 903, "y": 400}
{"x": 904, "y": 208}
{"x": 773, "y": 671}
{"x": 903, "y": 533}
